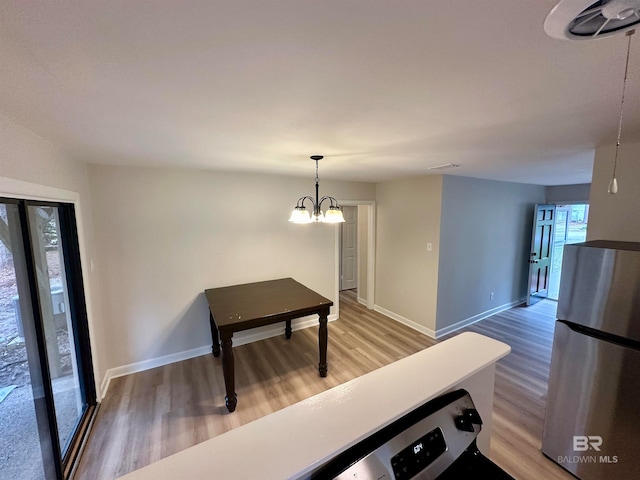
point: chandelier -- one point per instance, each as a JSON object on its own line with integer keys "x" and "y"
{"x": 300, "y": 213}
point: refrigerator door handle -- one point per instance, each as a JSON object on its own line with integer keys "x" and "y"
{"x": 600, "y": 335}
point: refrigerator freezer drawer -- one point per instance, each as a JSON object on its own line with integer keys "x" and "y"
{"x": 592, "y": 421}
{"x": 600, "y": 288}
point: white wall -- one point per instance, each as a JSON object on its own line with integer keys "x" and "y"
{"x": 408, "y": 217}
{"x": 485, "y": 238}
{"x": 615, "y": 217}
{"x": 34, "y": 162}
{"x": 165, "y": 235}
{"x": 28, "y": 157}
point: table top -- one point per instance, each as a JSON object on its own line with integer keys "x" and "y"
{"x": 249, "y": 302}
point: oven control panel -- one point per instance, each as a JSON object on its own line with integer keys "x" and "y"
{"x": 419, "y": 455}
{"x": 422, "y": 444}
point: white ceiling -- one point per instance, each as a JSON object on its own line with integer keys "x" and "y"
{"x": 382, "y": 88}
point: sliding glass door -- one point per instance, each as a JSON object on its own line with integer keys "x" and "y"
{"x": 26, "y": 454}
{"x": 47, "y": 394}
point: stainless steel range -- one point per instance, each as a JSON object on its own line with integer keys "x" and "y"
{"x": 436, "y": 440}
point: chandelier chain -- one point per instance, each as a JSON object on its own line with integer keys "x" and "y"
{"x": 624, "y": 86}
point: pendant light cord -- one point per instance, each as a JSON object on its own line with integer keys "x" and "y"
{"x": 624, "y": 86}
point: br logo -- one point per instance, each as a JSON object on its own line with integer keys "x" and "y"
{"x": 583, "y": 443}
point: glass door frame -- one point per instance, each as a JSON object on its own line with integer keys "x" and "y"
{"x": 63, "y": 462}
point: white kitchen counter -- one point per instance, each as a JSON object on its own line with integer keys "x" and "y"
{"x": 293, "y": 441}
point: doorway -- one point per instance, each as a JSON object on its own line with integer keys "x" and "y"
{"x": 349, "y": 249}
{"x": 365, "y": 261}
{"x": 47, "y": 390}
{"x": 570, "y": 227}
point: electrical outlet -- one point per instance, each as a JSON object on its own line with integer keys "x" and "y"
{"x": 491, "y": 296}
{"x": 429, "y": 246}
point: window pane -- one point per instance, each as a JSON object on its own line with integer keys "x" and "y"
{"x": 21, "y": 451}
{"x": 58, "y": 325}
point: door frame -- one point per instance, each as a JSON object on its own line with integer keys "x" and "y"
{"x": 371, "y": 253}
{"x": 60, "y": 454}
{"x": 18, "y": 189}
{"x": 555, "y": 251}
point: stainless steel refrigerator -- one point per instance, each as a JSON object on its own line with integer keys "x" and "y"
{"x": 592, "y": 420}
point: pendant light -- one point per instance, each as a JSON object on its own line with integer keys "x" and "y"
{"x": 300, "y": 213}
{"x": 613, "y": 184}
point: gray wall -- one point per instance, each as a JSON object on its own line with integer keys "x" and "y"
{"x": 615, "y": 217}
{"x": 567, "y": 194}
{"x": 485, "y": 235}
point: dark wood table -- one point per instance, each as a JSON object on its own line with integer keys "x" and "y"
{"x": 241, "y": 307}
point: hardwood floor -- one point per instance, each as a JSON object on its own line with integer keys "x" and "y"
{"x": 150, "y": 415}
{"x": 521, "y": 390}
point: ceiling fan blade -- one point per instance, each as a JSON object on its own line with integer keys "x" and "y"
{"x": 588, "y": 12}
{"x": 588, "y": 19}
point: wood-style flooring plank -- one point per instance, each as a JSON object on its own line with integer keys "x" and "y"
{"x": 521, "y": 390}
{"x": 153, "y": 414}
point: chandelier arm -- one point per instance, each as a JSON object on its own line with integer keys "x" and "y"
{"x": 301, "y": 200}
{"x": 332, "y": 200}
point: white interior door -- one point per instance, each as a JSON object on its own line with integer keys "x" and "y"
{"x": 349, "y": 247}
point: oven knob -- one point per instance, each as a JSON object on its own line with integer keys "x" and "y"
{"x": 468, "y": 419}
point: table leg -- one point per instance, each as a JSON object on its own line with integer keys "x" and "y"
{"x": 287, "y": 329}
{"x": 322, "y": 343}
{"x": 215, "y": 340}
{"x": 231, "y": 399}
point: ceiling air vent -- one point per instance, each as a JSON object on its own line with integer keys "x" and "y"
{"x": 444, "y": 166}
{"x": 586, "y": 19}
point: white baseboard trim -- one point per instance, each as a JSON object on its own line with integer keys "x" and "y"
{"x": 149, "y": 364}
{"x": 409, "y": 323}
{"x": 451, "y": 328}
{"x": 362, "y": 301}
{"x": 476, "y": 318}
{"x": 241, "y": 338}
